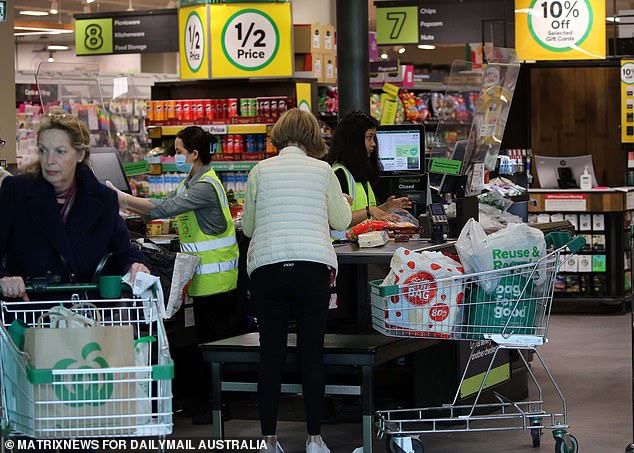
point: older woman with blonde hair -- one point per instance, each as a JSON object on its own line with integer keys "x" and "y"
{"x": 58, "y": 219}
{"x": 291, "y": 203}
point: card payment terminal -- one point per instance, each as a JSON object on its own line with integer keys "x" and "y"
{"x": 438, "y": 222}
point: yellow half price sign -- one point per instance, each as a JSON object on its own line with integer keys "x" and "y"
{"x": 251, "y": 40}
{"x": 560, "y": 29}
{"x": 193, "y": 29}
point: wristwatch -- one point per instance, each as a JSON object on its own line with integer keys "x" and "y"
{"x": 367, "y": 211}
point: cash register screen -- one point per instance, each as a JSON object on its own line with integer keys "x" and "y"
{"x": 401, "y": 148}
{"x": 106, "y": 166}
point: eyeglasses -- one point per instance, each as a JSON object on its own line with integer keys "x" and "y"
{"x": 62, "y": 119}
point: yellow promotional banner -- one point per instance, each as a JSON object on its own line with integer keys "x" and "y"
{"x": 193, "y": 31}
{"x": 251, "y": 40}
{"x": 560, "y": 29}
{"x": 304, "y": 95}
{"x": 627, "y": 101}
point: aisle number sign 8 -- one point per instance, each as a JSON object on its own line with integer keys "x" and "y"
{"x": 560, "y": 29}
{"x": 251, "y": 39}
{"x": 194, "y": 42}
{"x": 93, "y": 36}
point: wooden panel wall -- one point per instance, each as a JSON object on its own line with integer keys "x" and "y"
{"x": 576, "y": 111}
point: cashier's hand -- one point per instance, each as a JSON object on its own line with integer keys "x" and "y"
{"x": 393, "y": 203}
{"x": 137, "y": 267}
{"x": 13, "y": 287}
{"x": 379, "y": 214}
{"x": 122, "y": 197}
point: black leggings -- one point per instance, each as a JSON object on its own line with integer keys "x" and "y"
{"x": 301, "y": 288}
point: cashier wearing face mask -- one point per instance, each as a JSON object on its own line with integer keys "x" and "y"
{"x": 205, "y": 229}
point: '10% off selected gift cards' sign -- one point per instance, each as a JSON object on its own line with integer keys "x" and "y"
{"x": 560, "y": 29}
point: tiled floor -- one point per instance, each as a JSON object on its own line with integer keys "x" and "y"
{"x": 590, "y": 357}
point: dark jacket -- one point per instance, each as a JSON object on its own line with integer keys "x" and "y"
{"x": 33, "y": 237}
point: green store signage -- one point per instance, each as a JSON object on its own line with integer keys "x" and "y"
{"x": 93, "y": 36}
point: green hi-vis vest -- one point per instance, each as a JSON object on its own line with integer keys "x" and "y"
{"x": 360, "y": 198}
{"x": 218, "y": 268}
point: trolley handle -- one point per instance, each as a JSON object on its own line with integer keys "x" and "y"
{"x": 561, "y": 239}
{"x": 109, "y": 287}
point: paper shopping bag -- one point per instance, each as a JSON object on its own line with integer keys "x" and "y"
{"x": 88, "y": 396}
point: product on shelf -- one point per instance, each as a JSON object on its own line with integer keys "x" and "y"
{"x": 264, "y": 109}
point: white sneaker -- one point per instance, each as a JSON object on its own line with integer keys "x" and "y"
{"x": 314, "y": 447}
{"x": 268, "y": 448}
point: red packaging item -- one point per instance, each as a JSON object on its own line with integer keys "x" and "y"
{"x": 209, "y": 114}
{"x": 200, "y": 110}
{"x": 186, "y": 107}
{"x": 233, "y": 107}
{"x": 366, "y": 227}
{"x": 178, "y": 110}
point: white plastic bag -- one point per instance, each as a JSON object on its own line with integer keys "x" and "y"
{"x": 516, "y": 244}
{"x": 184, "y": 268}
{"x": 423, "y": 307}
{"x": 143, "y": 385}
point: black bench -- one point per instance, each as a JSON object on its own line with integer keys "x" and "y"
{"x": 364, "y": 351}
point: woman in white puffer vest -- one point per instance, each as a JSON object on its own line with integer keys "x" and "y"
{"x": 291, "y": 203}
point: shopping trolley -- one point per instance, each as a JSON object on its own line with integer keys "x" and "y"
{"x": 509, "y": 307}
{"x": 85, "y": 400}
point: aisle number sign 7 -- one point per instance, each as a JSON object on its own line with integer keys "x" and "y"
{"x": 397, "y": 25}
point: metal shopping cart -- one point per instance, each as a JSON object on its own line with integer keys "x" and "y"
{"x": 509, "y": 307}
{"x": 86, "y": 399}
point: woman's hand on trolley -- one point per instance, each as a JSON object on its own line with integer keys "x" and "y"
{"x": 13, "y": 287}
{"x": 138, "y": 267}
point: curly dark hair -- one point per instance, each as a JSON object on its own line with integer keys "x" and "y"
{"x": 348, "y": 147}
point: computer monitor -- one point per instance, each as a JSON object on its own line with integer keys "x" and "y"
{"x": 401, "y": 149}
{"x": 106, "y": 166}
{"x": 558, "y": 172}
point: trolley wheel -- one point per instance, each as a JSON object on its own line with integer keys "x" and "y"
{"x": 392, "y": 447}
{"x": 560, "y": 445}
{"x": 536, "y": 435}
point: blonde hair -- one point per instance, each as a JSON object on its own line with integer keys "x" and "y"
{"x": 299, "y": 127}
{"x": 79, "y": 134}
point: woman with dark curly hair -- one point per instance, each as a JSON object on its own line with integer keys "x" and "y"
{"x": 354, "y": 158}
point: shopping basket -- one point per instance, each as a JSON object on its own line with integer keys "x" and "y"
{"x": 514, "y": 315}
{"x": 85, "y": 400}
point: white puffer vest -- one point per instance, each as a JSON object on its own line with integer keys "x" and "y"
{"x": 291, "y": 216}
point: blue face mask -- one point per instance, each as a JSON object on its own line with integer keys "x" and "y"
{"x": 181, "y": 165}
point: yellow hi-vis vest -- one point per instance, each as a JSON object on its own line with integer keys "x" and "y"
{"x": 360, "y": 198}
{"x": 218, "y": 268}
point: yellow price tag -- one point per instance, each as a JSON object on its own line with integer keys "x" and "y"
{"x": 193, "y": 27}
{"x": 251, "y": 40}
{"x": 560, "y": 29}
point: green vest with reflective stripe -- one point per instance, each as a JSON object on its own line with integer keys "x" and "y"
{"x": 358, "y": 194}
{"x": 218, "y": 268}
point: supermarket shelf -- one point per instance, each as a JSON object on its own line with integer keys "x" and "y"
{"x": 217, "y": 129}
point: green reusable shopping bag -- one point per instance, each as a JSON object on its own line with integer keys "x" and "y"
{"x": 490, "y": 312}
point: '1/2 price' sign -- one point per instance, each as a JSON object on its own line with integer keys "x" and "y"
{"x": 251, "y": 39}
{"x": 560, "y": 29}
{"x": 193, "y": 26}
